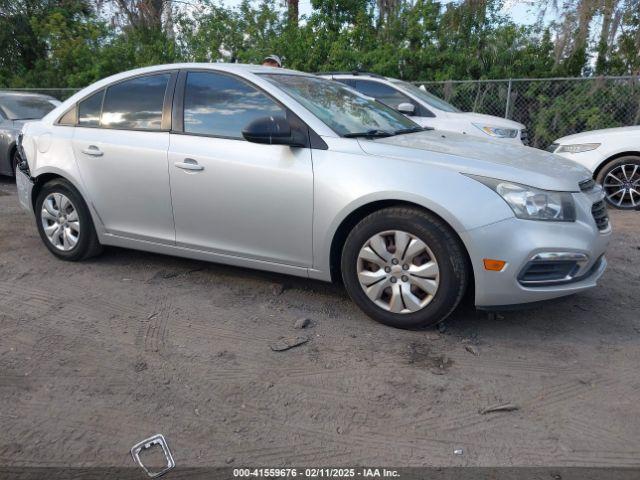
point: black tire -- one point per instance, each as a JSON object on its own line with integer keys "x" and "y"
{"x": 88, "y": 244}
{"x": 632, "y": 161}
{"x": 14, "y": 162}
{"x": 447, "y": 250}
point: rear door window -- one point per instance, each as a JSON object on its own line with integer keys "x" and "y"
{"x": 135, "y": 104}
{"x": 89, "y": 110}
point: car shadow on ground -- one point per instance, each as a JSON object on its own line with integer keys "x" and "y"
{"x": 577, "y": 313}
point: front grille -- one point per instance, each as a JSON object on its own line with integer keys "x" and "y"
{"x": 587, "y": 185}
{"x": 552, "y": 148}
{"x": 524, "y": 136}
{"x": 599, "y": 212}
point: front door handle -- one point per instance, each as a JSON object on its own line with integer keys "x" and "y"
{"x": 92, "y": 151}
{"x": 189, "y": 164}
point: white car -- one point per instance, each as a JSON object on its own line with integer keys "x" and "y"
{"x": 427, "y": 110}
{"x": 613, "y": 156}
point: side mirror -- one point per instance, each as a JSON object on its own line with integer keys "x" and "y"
{"x": 406, "y": 108}
{"x": 271, "y": 131}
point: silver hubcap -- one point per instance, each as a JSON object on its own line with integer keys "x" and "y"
{"x": 622, "y": 186}
{"x": 60, "y": 221}
{"x": 398, "y": 271}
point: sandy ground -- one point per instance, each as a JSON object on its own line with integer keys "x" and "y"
{"x": 96, "y": 356}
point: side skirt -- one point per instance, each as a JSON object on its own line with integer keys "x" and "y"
{"x": 179, "y": 251}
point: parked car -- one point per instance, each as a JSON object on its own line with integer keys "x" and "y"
{"x": 283, "y": 171}
{"x": 427, "y": 110}
{"x": 15, "y": 109}
{"x": 612, "y": 156}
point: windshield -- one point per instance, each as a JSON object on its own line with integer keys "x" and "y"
{"x": 347, "y": 112}
{"x": 425, "y": 96}
{"x": 26, "y": 107}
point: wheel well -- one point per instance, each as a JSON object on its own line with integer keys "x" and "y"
{"x": 39, "y": 182}
{"x": 354, "y": 217}
{"x": 611, "y": 159}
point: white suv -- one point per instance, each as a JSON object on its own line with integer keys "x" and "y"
{"x": 427, "y": 110}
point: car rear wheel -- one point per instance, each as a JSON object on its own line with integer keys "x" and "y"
{"x": 64, "y": 222}
{"x": 404, "y": 267}
{"x": 621, "y": 182}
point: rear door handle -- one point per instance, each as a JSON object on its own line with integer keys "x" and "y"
{"x": 92, "y": 151}
{"x": 189, "y": 164}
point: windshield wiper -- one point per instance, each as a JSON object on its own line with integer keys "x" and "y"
{"x": 412, "y": 130}
{"x": 373, "y": 133}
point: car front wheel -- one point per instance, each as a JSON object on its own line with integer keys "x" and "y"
{"x": 404, "y": 267}
{"x": 64, "y": 222}
{"x": 621, "y": 182}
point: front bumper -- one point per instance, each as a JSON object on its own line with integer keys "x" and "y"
{"x": 517, "y": 242}
{"x": 24, "y": 185}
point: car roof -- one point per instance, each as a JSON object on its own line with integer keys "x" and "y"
{"x": 13, "y": 93}
{"x": 355, "y": 74}
{"x": 220, "y": 66}
{"x": 238, "y": 68}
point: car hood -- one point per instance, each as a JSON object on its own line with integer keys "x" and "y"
{"x": 477, "y": 156}
{"x": 488, "y": 120}
{"x": 595, "y": 135}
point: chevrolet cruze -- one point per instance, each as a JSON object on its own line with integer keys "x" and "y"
{"x": 288, "y": 172}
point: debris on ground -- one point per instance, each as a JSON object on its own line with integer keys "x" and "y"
{"x": 505, "y": 407}
{"x": 288, "y": 342}
{"x": 167, "y": 274}
{"x": 491, "y": 316}
{"x": 458, "y": 451}
{"x": 302, "y": 323}
{"x": 148, "y": 444}
{"x": 277, "y": 288}
{"x": 472, "y": 350}
{"x": 140, "y": 366}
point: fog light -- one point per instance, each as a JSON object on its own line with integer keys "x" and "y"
{"x": 493, "y": 265}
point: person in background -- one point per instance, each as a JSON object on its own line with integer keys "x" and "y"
{"x": 272, "y": 61}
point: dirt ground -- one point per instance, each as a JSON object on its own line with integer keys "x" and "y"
{"x": 99, "y": 355}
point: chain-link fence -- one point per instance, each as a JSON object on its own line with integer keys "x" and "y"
{"x": 551, "y": 107}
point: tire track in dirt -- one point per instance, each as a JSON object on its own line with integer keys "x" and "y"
{"x": 42, "y": 300}
{"x": 152, "y": 332}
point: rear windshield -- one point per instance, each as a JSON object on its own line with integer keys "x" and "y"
{"x": 26, "y": 107}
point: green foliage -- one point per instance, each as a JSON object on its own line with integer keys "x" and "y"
{"x": 67, "y": 43}
{"x": 48, "y": 43}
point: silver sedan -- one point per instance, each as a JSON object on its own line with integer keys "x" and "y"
{"x": 283, "y": 171}
{"x": 15, "y": 109}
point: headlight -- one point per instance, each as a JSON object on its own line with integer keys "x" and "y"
{"x": 578, "y": 148}
{"x": 531, "y": 203}
{"x": 498, "y": 132}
